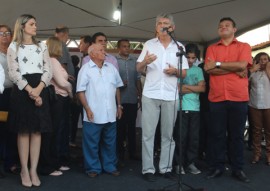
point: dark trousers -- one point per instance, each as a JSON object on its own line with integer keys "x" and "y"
{"x": 250, "y": 129}
{"x": 60, "y": 119}
{"x": 126, "y": 130}
{"x": 8, "y": 140}
{"x": 47, "y": 162}
{"x": 204, "y": 126}
{"x": 189, "y": 137}
{"x": 227, "y": 117}
{"x": 76, "y": 110}
{"x": 8, "y": 147}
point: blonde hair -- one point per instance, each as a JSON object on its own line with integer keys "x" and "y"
{"x": 18, "y": 29}
{"x": 54, "y": 47}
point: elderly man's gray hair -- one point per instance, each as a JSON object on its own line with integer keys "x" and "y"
{"x": 166, "y": 16}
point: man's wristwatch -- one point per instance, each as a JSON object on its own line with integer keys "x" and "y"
{"x": 218, "y": 64}
{"x": 120, "y": 106}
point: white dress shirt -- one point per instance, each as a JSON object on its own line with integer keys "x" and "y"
{"x": 159, "y": 85}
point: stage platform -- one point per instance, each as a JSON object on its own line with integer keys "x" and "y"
{"x": 132, "y": 180}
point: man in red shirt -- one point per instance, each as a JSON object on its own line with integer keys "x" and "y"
{"x": 227, "y": 62}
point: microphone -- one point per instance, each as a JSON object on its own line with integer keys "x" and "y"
{"x": 166, "y": 29}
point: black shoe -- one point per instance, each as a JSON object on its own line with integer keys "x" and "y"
{"x": 170, "y": 175}
{"x": 214, "y": 174}
{"x": 240, "y": 175}
{"x": 150, "y": 177}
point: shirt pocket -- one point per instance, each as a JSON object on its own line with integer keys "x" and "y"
{"x": 172, "y": 59}
{"x": 111, "y": 80}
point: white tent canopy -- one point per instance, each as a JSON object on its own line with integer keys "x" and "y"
{"x": 196, "y": 20}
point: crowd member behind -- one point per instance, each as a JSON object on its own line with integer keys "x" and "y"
{"x": 62, "y": 33}
{"x": 48, "y": 164}
{"x": 30, "y": 70}
{"x": 130, "y": 92}
{"x": 76, "y": 107}
{"x": 8, "y": 140}
{"x": 2, "y": 80}
{"x": 193, "y": 85}
{"x": 85, "y": 42}
{"x": 204, "y": 116}
{"x": 226, "y": 61}
{"x": 5, "y": 38}
{"x": 259, "y": 105}
{"x": 60, "y": 107}
{"x": 101, "y": 38}
{"x": 160, "y": 95}
{"x": 98, "y": 89}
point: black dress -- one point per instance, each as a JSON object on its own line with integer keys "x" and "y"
{"x": 24, "y": 115}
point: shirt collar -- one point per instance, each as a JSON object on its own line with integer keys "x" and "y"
{"x": 220, "y": 42}
{"x": 157, "y": 40}
{"x": 119, "y": 57}
{"x": 92, "y": 64}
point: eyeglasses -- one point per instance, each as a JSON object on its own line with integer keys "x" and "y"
{"x": 5, "y": 33}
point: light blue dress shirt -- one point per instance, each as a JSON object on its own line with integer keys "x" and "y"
{"x": 99, "y": 85}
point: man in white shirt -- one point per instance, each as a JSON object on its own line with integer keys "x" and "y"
{"x": 160, "y": 94}
{"x": 98, "y": 87}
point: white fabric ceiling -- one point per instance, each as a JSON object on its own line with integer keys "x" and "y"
{"x": 196, "y": 20}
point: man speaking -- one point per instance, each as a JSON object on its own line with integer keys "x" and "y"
{"x": 160, "y": 94}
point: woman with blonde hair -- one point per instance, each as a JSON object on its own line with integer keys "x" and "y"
{"x": 60, "y": 107}
{"x": 30, "y": 70}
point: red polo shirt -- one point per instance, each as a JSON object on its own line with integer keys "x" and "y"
{"x": 228, "y": 87}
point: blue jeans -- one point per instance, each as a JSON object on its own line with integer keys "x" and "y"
{"x": 227, "y": 118}
{"x": 99, "y": 147}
